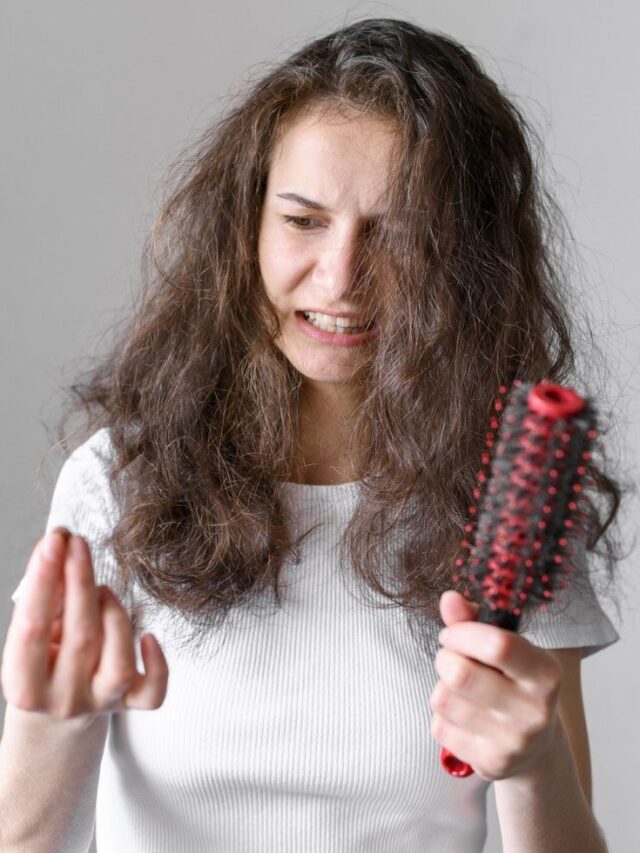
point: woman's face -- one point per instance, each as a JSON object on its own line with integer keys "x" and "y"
{"x": 307, "y": 249}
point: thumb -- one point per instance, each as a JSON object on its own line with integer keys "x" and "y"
{"x": 454, "y": 607}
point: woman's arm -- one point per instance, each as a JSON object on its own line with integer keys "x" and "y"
{"x": 48, "y": 782}
{"x": 549, "y": 809}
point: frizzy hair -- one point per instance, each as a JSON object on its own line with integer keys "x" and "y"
{"x": 466, "y": 289}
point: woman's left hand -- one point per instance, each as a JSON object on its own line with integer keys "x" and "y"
{"x": 495, "y": 706}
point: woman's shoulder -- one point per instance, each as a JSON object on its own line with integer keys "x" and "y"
{"x": 84, "y": 481}
{"x": 96, "y": 452}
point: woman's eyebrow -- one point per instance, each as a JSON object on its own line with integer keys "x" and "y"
{"x": 315, "y": 205}
{"x": 305, "y": 202}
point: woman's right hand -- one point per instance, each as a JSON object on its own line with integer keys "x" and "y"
{"x": 69, "y": 650}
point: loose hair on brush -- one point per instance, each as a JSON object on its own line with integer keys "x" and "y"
{"x": 468, "y": 291}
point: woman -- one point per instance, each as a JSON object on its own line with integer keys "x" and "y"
{"x": 255, "y": 478}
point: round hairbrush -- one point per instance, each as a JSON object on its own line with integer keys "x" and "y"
{"x": 528, "y": 507}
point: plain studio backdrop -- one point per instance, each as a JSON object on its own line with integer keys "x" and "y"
{"x": 97, "y": 99}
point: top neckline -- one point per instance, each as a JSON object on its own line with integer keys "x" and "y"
{"x": 310, "y": 493}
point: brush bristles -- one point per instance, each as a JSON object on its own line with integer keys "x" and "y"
{"x": 529, "y": 509}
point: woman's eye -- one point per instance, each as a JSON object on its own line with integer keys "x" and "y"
{"x": 300, "y": 222}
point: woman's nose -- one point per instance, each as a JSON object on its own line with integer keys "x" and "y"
{"x": 337, "y": 265}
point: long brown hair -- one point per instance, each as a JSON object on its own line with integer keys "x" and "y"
{"x": 465, "y": 285}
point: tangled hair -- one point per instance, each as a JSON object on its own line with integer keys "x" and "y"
{"x": 467, "y": 291}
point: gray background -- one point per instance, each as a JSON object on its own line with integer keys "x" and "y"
{"x": 98, "y": 98}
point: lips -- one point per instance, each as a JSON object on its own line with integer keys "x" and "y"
{"x": 351, "y": 324}
{"x": 335, "y": 339}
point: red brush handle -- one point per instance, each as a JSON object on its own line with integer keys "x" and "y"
{"x": 550, "y": 401}
{"x": 453, "y": 765}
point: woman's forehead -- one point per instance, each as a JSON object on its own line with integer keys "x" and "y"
{"x": 327, "y": 163}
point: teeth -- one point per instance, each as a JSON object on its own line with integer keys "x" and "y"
{"x": 325, "y": 321}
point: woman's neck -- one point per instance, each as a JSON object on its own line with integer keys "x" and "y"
{"x": 324, "y": 424}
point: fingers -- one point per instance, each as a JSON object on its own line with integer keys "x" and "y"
{"x": 455, "y": 607}
{"x": 98, "y": 649}
{"x": 81, "y": 622}
{"x": 117, "y": 676}
{"x": 149, "y": 691}
{"x": 116, "y": 670}
{"x": 26, "y": 652}
{"x": 70, "y": 648}
{"x": 503, "y": 650}
{"x": 60, "y": 586}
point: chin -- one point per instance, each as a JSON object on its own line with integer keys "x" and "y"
{"x": 320, "y": 367}
{"x": 330, "y": 374}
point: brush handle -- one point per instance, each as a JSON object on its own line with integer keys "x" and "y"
{"x": 454, "y": 765}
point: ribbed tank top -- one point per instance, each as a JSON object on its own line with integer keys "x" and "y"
{"x": 292, "y": 729}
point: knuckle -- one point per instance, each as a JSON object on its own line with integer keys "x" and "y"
{"x": 82, "y": 640}
{"x": 502, "y": 646}
{"x": 437, "y": 727}
{"x": 538, "y": 721}
{"x": 116, "y": 683}
{"x": 516, "y": 747}
{"x": 83, "y": 578}
{"x": 454, "y": 670}
{"x": 461, "y": 675}
{"x": 554, "y": 681}
{"x": 32, "y": 629}
{"x": 112, "y": 692}
{"x": 124, "y": 677}
{"x": 439, "y": 697}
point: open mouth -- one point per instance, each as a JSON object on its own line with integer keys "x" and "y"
{"x": 336, "y": 325}
{"x": 334, "y": 334}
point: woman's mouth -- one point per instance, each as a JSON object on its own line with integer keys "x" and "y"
{"x": 336, "y": 331}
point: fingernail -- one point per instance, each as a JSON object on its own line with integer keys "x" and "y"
{"x": 77, "y": 546}
{"x": 63, "y": 531}
{"x": 442, "y": 636}
{"x": 51, "y": 545}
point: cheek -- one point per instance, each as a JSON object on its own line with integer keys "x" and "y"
{"x": 282, "y": 272}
